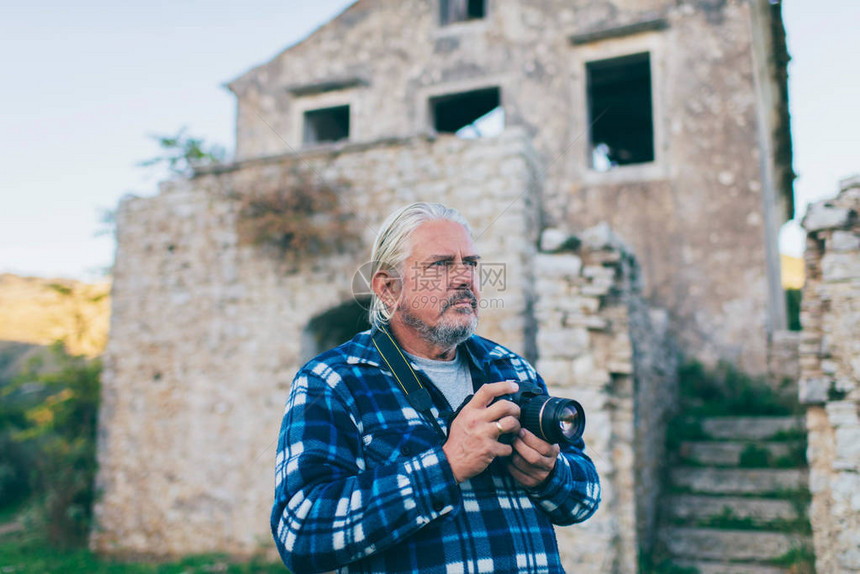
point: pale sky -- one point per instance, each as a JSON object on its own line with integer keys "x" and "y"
{"x": 83, "y": 87}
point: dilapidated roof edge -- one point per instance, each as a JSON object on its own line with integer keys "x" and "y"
{"x": 230, "y": 85}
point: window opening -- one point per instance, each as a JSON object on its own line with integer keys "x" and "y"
{"x": 326, "y": 125}
{"x": 469, "y": 115}
{"x": 620, "y": 111}
{"x": 452, "y": 11}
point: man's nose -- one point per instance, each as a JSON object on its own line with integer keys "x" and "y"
{"x": 462, "y": 275}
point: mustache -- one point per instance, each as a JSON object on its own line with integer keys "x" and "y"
{"x": 460, "y": 296}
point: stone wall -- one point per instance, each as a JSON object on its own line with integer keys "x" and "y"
{"x": 700, "y": 216}
{"x": 784, "y": 363}
{"x": 599, "y": 343}
{"x": 206, "y": 332}
{"x": 830, "y": 376}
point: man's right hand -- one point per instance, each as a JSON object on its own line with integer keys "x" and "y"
{"x": 473, "y": 437}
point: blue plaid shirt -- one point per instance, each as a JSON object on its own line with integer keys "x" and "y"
{"x": 362, "y": 483}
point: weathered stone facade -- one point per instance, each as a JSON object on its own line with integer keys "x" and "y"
{"x": 702, "y": 217}
{"x": 830, "y": 376}
{"x": 207, "y": 332}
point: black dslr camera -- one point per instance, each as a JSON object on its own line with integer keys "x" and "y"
{"x": 553, "y": 419}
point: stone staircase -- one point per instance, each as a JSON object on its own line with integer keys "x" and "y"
{"x": 737, "y": 498}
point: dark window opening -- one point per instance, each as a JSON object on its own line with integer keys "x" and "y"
{"x": 620, "y": 111}
{"x": 335, "y": 326}
{"x": 451, "y": 11}
{"x": 326, "y": 125}
{"x": 469, "y": 114}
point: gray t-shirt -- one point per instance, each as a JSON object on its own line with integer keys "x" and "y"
{"x": 452, "y": 378}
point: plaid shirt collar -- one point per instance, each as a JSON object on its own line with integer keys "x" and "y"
{"x": 481, "y": 352}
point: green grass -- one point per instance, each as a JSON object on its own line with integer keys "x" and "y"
{"x": 798, "y": 434}
{"x": 683, "y": 428}
{"x": 796, "y": 458}
{"x": 726, "y": 391}
{"x": 667, "y": 567}
{"x": 799, "y": 560}
{"x": 9, "y": 512}
{"x": 658, "y": 562}
{"x": 754, "y": 456}
{"x": 25, "y": 552}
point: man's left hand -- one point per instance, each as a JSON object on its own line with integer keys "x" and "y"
{"x": 532, "y": 460}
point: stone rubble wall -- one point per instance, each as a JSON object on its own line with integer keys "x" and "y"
{"x": 599, "y": 343}
{"x": 206, "y": 332}
{"x": 784, "y": 362}
{"x": 830, "y": 376}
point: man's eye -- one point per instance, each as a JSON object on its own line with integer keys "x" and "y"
{"x": 470, "y": 263}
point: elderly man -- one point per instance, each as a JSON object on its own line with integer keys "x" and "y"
{"x": 370, "y": 477}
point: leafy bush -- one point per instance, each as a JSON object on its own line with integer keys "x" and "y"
{"x": 48, "y": 431}
{"x": 728, "y": 391}
{"x": 15, "y": 461}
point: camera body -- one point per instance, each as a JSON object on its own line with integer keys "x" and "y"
{"x": 555, "y": 420}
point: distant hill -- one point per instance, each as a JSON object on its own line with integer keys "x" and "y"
{"x": 793, "y": 272}
{"x": 38, "y": 312}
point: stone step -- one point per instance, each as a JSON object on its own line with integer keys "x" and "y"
{"x": 750, "y": 428}
{"x": 728, "y": 453}
{"x": 729, "y": 545}
{"x": 691, "y": 507}
{"x": 739, "y": 481}
{"x": 709, "y": 567}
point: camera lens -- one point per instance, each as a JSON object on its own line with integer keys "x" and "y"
{"x": 568, "y": 423}
{"x": 554, "y": 419}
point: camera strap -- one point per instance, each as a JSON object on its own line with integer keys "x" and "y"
{"x": 393, "y": 357}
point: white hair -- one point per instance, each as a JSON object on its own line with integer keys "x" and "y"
{"x": 392, "y": 246}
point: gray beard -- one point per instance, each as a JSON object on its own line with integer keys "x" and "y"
{"x": 444, "y": 334}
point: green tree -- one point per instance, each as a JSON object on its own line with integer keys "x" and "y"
{"x": 182, "y": 154}
{"x": 48, "y": 427}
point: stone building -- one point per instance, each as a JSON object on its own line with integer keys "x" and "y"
{"x": 626, "y": 163}
{"x": 665, "y": 119}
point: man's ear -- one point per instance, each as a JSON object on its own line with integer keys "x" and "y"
{"x": 387, "y": 286}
